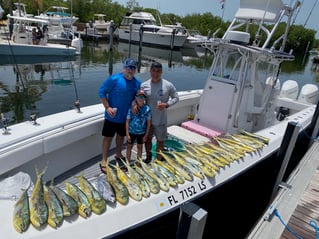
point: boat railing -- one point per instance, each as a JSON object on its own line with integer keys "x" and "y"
{"x": 261, "y": 13}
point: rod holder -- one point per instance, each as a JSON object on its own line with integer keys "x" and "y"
{"x": 33, "y": 119}
{"x": 5, "y": 123}
{"x": 78, "y": 106}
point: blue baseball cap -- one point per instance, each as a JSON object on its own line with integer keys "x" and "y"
{"x": 130, "y": 63}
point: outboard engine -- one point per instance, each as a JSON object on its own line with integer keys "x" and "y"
{"x": 289, "y": 89}
{"x": 308, "y": 94}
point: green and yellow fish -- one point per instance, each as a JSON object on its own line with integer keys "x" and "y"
{"x": 98, "y": 204}
{"x": 38, "y": 208}
{"x": 55, "y": 215}
{"x": 69, "y": 205}
{"x": 134, "y": 190}
{"x": 84, "y": 206}
{"x": 121, "y": 192}
{"x": 21, "y": 213}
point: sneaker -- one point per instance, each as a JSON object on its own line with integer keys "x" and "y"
{"x": 148, "y": 158}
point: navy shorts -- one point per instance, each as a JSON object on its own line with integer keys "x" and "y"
{"x": 137, "y": 137}
{"x": 110, "y": 128}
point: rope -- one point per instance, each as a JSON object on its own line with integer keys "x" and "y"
{"x": 286, "y": 226}
{"x": 314, "y": 224}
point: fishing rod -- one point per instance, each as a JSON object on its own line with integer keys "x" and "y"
{"x": 77, "y": 100}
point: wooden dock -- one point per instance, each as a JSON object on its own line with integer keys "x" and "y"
{"x": 294, "y": 213}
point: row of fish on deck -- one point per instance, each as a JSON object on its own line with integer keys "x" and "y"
{"x": 50, "y": 204}
{"x": 58, "y": 27}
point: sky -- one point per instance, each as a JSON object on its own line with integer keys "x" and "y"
{"x": 184, "y": 7}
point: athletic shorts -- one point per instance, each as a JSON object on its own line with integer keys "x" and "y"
{"x": 160, "y": 132}
{"x": 110, "y": 128}
{"x": 136, "y": 137}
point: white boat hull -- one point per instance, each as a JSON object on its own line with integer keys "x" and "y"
{"x": 65, "y": 140}
{"x": 36, "y": 50}
{"x": 152, "y": 38}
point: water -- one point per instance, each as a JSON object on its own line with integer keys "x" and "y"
{"x": 52, "y": 85}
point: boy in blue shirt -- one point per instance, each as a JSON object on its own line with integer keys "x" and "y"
{"x": 138, "y": 126}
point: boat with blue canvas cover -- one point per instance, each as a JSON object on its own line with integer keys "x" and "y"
{"x": 58, "y": 14}
{"x": 243, "y": 104}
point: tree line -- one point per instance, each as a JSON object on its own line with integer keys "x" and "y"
{"x": 299, "y": 39}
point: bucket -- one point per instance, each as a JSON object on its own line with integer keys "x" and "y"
{"x": 170, "y": 144}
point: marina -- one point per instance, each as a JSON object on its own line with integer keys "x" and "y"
{"x": 229, "y": 91}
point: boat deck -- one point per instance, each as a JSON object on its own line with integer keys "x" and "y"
{"x": 296, "y": 207}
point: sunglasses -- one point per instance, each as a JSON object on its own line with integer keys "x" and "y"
{"x": 140, "y": 97}
{"x": 131, "y": 67}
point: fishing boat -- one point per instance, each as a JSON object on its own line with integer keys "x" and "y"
{"x": 20, "y": 10}
{"x": 242, "y": 101}
{"x": 139, "y": 27}
{"x": 100, "y": 24}
{"x": 25, "y": 42}
{"x": 58, "y": 14}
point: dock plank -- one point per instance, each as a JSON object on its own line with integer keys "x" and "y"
{"x": 296, "y": 206}
{"x": 306, "y": 210}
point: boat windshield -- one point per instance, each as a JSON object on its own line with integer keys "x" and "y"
{"x": 228, "y": 65}
{"x": 137, "y": 21}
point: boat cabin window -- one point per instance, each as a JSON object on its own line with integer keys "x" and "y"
{"x": 128, "y": 21}
{"x": 228, "y": 65}
{"x": 263, "y": 82}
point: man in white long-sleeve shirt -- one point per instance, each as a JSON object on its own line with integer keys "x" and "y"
{"x": 160, "y": 94}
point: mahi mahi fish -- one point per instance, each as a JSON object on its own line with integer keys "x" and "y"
{"x": 105, "y": 189}
{"x": 153, "y": 184}
{"x": 84, "y": 207}
{"x": 98, "y": 204}
{"x": 55, "y": 215}
{"x": 38, "y": 207}
{"x": 138, "y": 179}
{"x": 156, "y": 175}
{"x": 134, "y": 190}
{"x": 121, "y": 192}
{"x": 69, "y": 205}
{"x": 185, "y": 172}
{"x": 21, "y": 213}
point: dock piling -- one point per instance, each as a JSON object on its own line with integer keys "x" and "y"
{"x": 191, "y": 223}
{"x": 284, "y": 152}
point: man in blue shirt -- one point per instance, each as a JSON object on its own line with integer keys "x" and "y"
{"x": 116, "y": 94}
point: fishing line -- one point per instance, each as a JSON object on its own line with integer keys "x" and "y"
{"x": 18, "y": 72}
{"x": 310, "y": 13}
